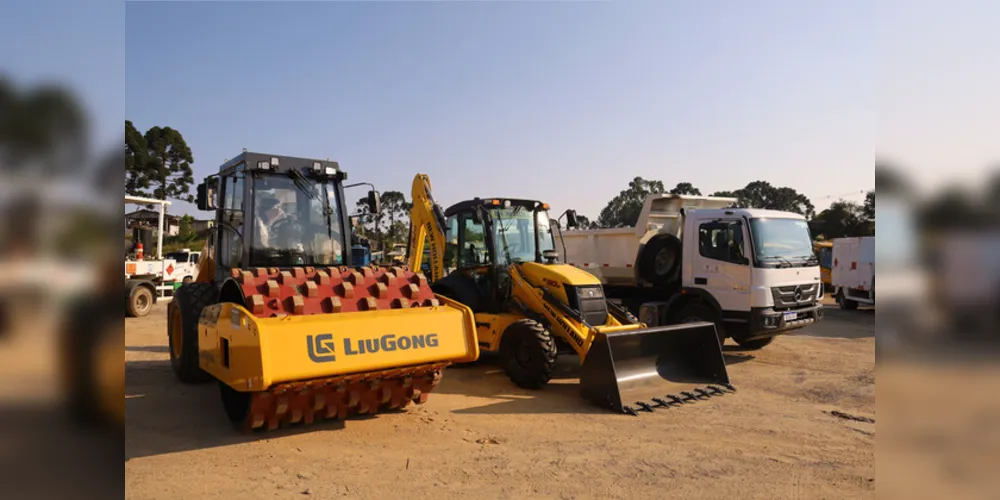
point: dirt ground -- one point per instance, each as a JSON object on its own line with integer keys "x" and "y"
{"x": 478, "y": 436}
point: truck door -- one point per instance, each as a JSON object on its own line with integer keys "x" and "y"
{"x": 721, "y": 266}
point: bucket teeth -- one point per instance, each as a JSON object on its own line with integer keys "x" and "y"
{"x": 671, "y": 400}
{"x": 312, "y": 401}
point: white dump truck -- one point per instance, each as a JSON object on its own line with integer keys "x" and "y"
{"x": 689, "y": 258}
{"x": 853, "y": 271}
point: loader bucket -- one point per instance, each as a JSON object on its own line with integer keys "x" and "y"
{"x": 657, "y": 367}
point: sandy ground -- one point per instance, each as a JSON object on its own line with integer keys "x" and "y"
{"x": 479, "y": 436}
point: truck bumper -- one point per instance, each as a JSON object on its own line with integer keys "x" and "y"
{"x": 766, "y": 322}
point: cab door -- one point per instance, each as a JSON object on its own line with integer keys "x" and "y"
{"x": 721, "y": 266}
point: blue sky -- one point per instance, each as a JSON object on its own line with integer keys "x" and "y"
{"x": 558, "y": 101}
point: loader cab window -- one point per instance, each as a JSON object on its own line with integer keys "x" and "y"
{"x": 472, "y": 251}
{"x": 723, "y": 241}
{"x": 450, "y": 245}
{"x": 521, "y": 234}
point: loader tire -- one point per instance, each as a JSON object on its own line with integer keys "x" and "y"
{"x": 697, "y": 311}
{"x": 528, "y": 354}
{"x": 182, "y": 330}
{"x": 138, "y": 299}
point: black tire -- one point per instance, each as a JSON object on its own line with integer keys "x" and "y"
{"x": 188, "y": 302}
{"x": 138, "y": 299}
{"x": 699, "y": 311}
{"x": 85, "y": 339}
{"x": 753, "y": 345}
{"x": 186, "y": 280}
{"x": 661, "y": 260}
{"x": 845, "y": 303}
{"x": 528, "y": 354}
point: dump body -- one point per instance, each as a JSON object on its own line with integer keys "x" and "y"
{"x": 612, "y": 254}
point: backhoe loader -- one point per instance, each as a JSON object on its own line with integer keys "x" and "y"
{"x": 284, "y": 321}
{"x": 498, "y": 257}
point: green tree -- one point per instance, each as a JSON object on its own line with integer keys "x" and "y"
{"x": 46, "y": 127}
{"x": 843, "y": 219}
{"x": 624, "y": 209}
{"x": 137, "y": 172}
{"x": 395, "y": 209}
{"x": 685, "y": 188}
{"x": 761, "y": 194}
{"x": 585, "y": 223}
{"x": 186, "y": 230}
{"x": 869, "y": 207}
{"x": 169, "y": 164}
{"x": 369, "y": 224}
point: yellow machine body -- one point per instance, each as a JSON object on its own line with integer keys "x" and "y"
{"x": 252, "y": 354}
{"x": 523, "y": 310}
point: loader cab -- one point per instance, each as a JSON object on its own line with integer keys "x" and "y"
{"x": 277, "y": 212}
{"x": 483, "y": 237}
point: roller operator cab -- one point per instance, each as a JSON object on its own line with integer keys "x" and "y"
{"x": 289, "y": 322}
{"x": 752, "y": 272}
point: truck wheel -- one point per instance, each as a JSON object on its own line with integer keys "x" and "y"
{"x": 138, "y": 300}
{"x": 660, "y": 260}
{"x": 182, "y": 330}
{"x": 528, "y": 354}
{"x": 753, "y": 345}
{"x": 696, "y": 311}
{"x": 846, "y": 303}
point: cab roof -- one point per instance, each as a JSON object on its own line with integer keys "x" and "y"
{"x": 467, "y": 205}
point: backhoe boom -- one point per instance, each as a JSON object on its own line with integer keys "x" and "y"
{"x": 427, "y": 223}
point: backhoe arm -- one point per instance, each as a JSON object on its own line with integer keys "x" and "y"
{"x": 427, "y": 222}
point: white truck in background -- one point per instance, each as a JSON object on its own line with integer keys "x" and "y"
{"x": 853, "y": 271}
{"x": 689, "y": 258}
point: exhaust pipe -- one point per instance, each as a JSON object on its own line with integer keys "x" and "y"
{"x": 657, "y": 367}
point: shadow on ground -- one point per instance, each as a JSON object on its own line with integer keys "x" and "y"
{"x": 147, "y": 348}
{"x": 841, "y": 323}
{"x": 163, "y": 415}
{"x": 485, "y": 379}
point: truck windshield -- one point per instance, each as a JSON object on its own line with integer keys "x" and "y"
{"x": 515, "y": 229}
{"x": 782, "y": 242}
{"x": 297, "y": 222}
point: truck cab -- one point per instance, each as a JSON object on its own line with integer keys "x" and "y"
{"x": 186, "y": 264}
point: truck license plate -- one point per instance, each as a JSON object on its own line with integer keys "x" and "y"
{"x": 790, "y": 316}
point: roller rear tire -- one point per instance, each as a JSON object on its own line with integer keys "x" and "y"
{"x": 182, "y": 330}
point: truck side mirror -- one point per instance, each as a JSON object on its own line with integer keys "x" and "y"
{"x": 571, "y": 219}
{"x": 374, "y": 202}
{"x": 206, "y": 197}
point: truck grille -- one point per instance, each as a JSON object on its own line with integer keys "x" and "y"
{"x": 787, "y": 297}
{"x": 590, "y": 301}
